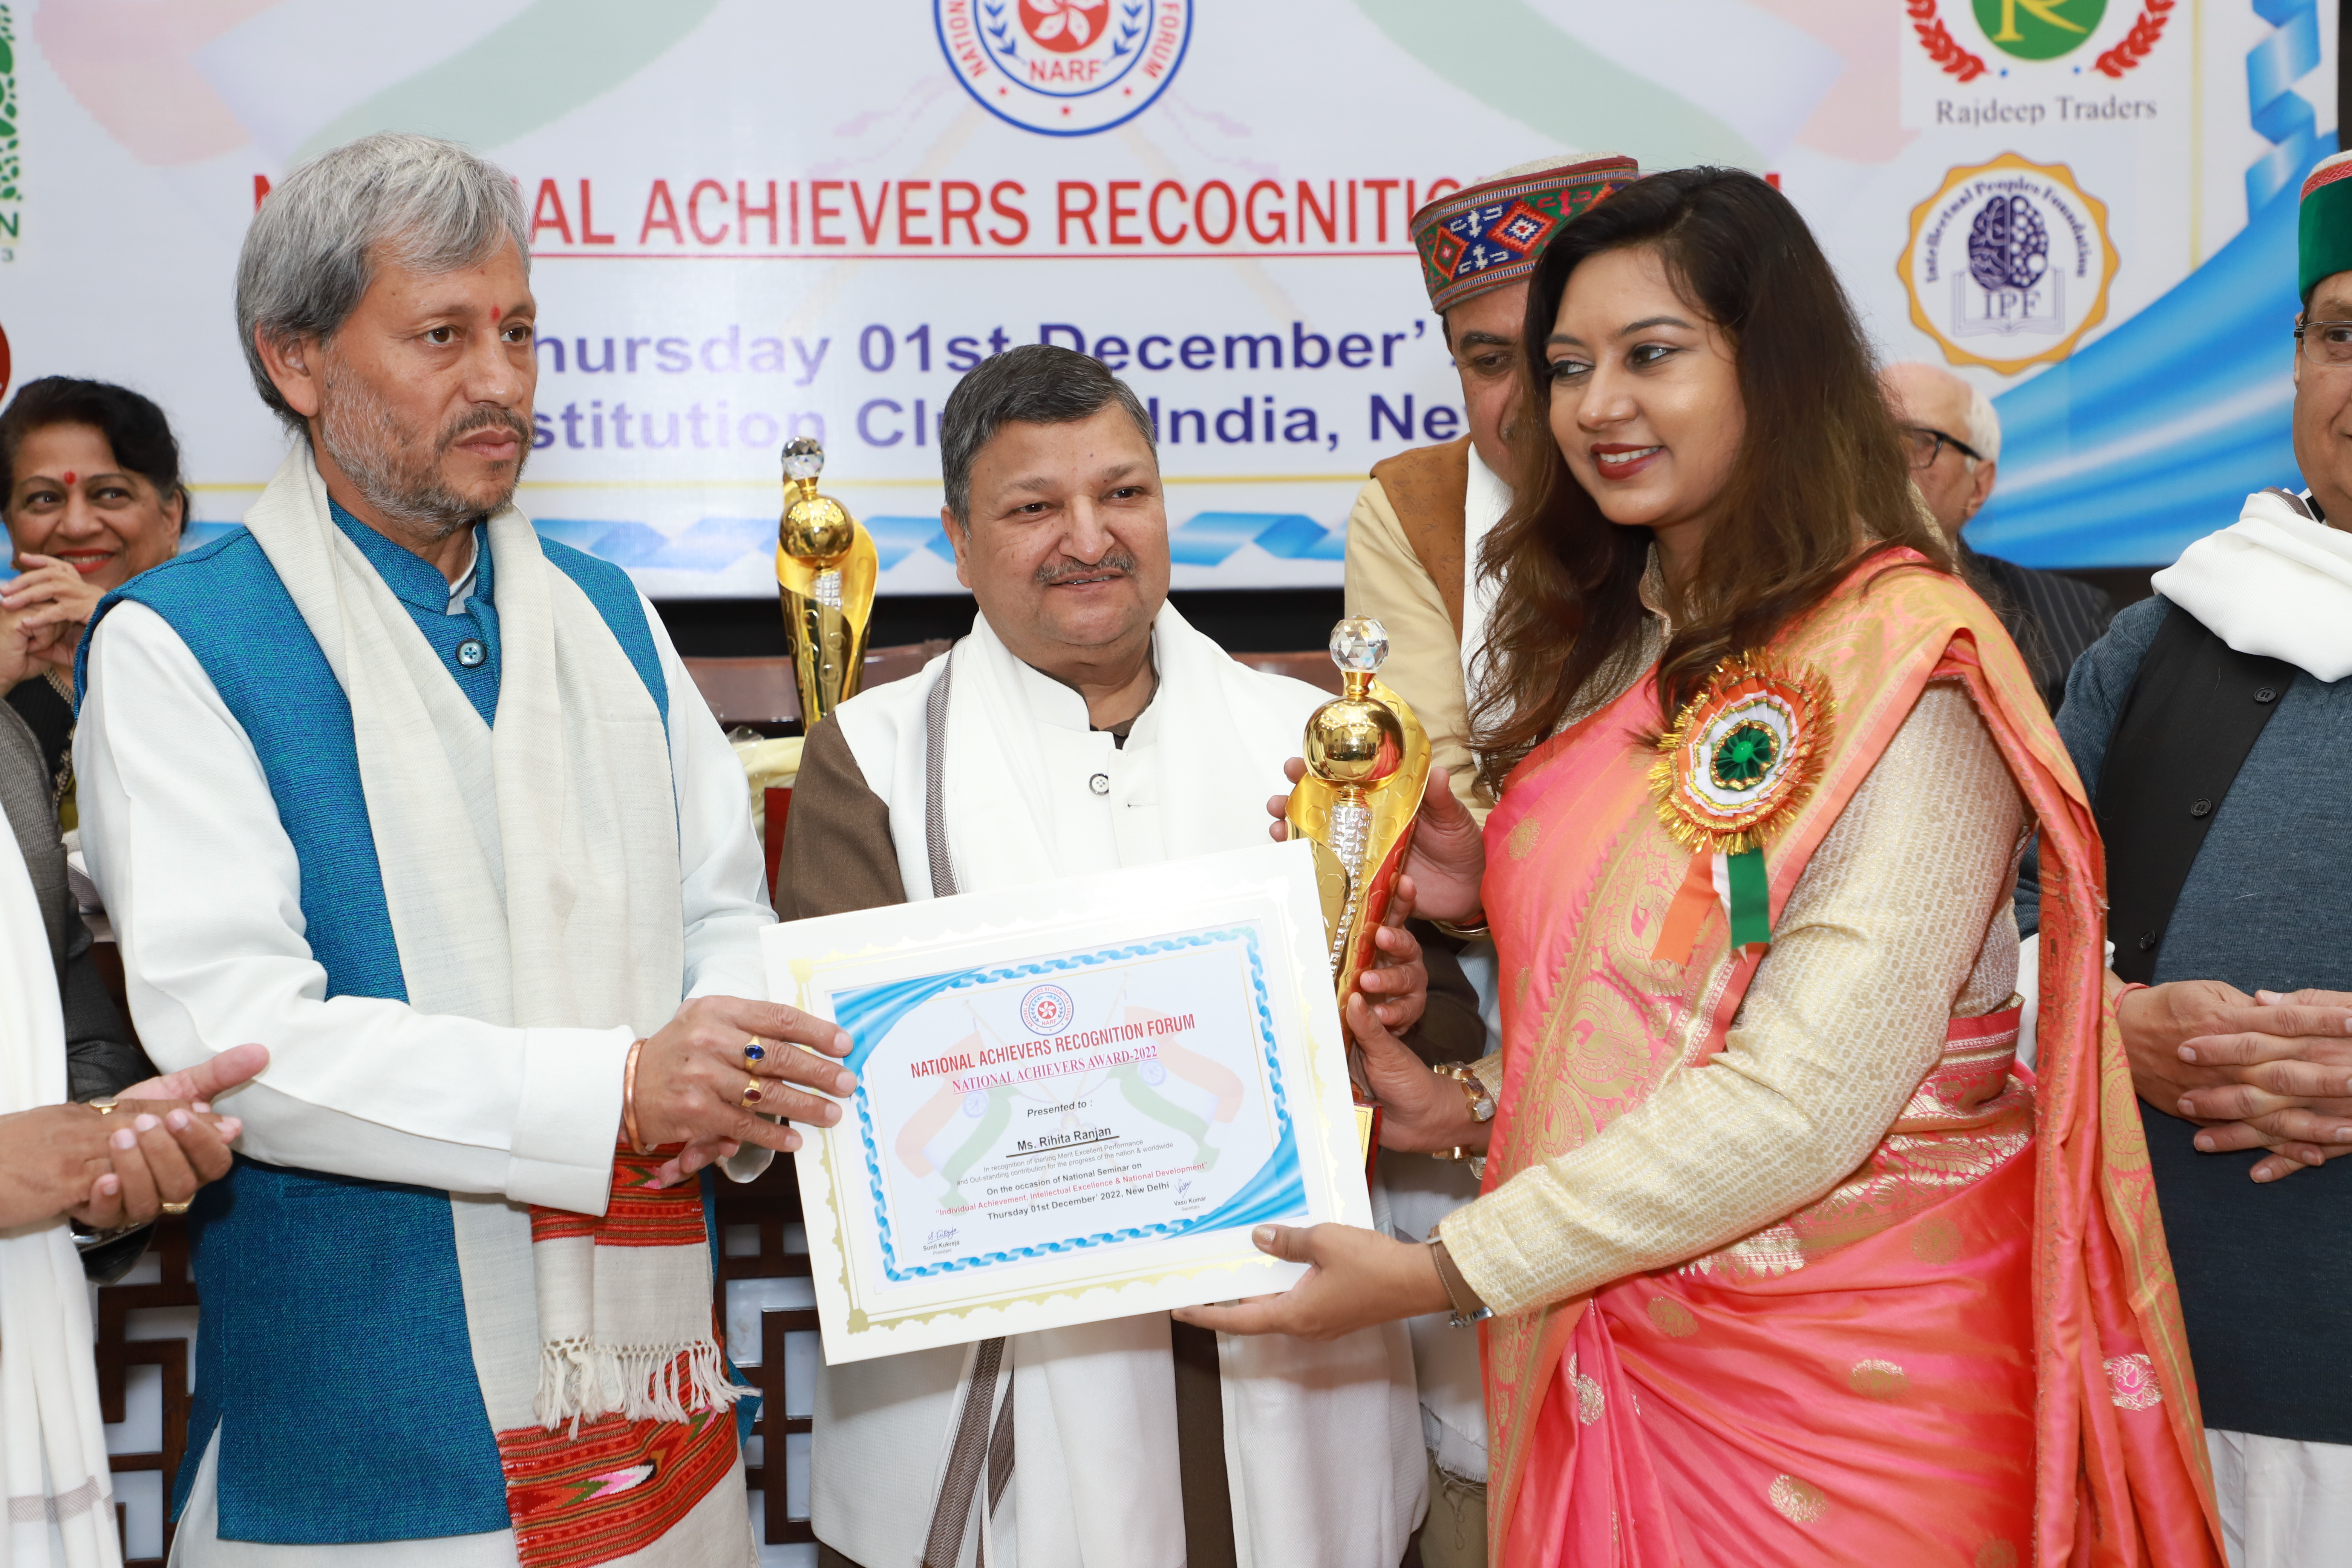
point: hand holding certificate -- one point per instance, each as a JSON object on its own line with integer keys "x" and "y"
{"x": 1075, "y": 1101}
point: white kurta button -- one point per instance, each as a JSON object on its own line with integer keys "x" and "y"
{"x": 1099, "y": 783}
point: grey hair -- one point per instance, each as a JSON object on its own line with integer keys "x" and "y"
{"x": 1036, "y": 383}
{"x": 1984, "y": 423}
{"x": 311, "y": 251}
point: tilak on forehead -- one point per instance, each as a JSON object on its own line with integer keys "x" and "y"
{"x": 2324, "y": 224}
{"x": 1488, "y": 236}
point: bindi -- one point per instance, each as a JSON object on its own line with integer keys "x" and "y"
{"x": 71, "y": 476}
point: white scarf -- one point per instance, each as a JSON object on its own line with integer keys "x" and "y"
{"x": 2275, "y": 583}
{"x": 60, "y": 1498}
{"x": 1323, "y": 1449}
{"x": 531, "y": 874}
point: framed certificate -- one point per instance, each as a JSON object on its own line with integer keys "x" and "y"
{"x": 1074, "y": 1099}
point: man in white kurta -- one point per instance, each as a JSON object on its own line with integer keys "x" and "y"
{"x": 1082, "y": 726}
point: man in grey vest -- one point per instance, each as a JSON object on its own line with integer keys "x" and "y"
{"x": 2209, "y": 725}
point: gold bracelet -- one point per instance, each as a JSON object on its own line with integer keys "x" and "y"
{"x": 629, "y": 1101}
{"x": 1461, "y": 934}
{"x": 1479, "y": 1103}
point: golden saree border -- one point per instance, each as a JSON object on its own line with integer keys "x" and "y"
{"x": 1594, "y": 1018}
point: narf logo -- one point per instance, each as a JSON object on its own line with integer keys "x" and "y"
{"x": 1064, "y": 67}
{"x": 1065, "y": 26}
{"x": 1046, "y": 1010}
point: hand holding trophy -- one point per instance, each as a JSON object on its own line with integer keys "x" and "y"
{"x": 1366, "y": 761}
{"x": 825, "y": 570}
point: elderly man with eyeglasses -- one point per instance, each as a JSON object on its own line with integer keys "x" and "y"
{"x": 1955, "y": 439}
{"x": 2210, "y": 727}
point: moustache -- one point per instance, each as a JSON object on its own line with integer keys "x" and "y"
{"x": 486, "y": 419}
{"x": 1117, "y": 561}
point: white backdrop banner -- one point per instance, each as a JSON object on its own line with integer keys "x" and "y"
{"x": 760, "y": 218}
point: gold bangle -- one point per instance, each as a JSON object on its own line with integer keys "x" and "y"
{"x": 1461, "y": 934}
{"x": 629, "y": 1102}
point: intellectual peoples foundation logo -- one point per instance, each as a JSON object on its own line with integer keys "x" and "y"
{"x": 1045, "y": 1010}
{"x": 2008, "y": 264}
{"x": 1064, "y": 67}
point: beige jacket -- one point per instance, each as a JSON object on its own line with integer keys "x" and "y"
{"x": 1405, "y": 565}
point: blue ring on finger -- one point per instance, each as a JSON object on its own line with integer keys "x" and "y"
{"x": 753, "y": 1051}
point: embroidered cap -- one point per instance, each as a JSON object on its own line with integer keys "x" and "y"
{"x": 1485, "y": 237}
{"x": 2323, "y": 240}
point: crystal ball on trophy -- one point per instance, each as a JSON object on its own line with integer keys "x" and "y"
{"x": 1356, "y": 740}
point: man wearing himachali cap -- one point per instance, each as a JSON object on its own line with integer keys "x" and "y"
{"x": 1413, "y": 546}
{"x": 2209, "y": 726}
{"x": 1414, "y": 536}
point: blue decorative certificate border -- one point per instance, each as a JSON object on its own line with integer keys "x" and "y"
{"x": 870, "y": 1012}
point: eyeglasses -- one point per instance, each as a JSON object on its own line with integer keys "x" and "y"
{"x": 2324, "y": 342}
{"x": 1928, "y": 445}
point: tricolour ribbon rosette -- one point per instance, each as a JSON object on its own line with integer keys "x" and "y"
{"x": 1739, "y": 760}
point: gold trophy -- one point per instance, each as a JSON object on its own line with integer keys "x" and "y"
{"x": 1366, "y": 759}
{"x": 825, "y": 568}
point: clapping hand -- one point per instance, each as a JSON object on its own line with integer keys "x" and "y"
{"x": 42, "y": 613}
{"x": 159, "y": 1144}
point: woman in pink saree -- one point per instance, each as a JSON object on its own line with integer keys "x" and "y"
{"x": 1782, "y": 1257}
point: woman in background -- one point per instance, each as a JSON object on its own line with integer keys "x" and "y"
{"x": 90, "y": 491}
{"x": 1782, "y": 1259}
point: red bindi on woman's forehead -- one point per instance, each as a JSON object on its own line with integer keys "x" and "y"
{"x": 71, "y": 476}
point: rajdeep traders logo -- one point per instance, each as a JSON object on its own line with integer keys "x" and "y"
{"x": 2038, "y": 29}
{"x": 1064, "y": 67}
{"x": 2008, "y": 264}
{"x": 1046, "y": 1010}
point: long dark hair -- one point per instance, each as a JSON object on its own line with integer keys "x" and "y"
{"x": 1819, "y": 483}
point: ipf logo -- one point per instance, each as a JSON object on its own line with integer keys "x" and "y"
{"x": 2008, "y": 264}
{"x": 1064, "y": 67}
{"x": 1045, "y": 1010}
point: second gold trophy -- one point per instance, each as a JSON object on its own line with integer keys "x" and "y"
{"x": 825, "y": 572}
